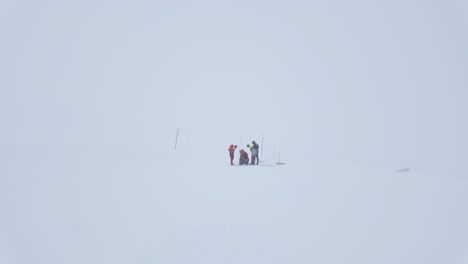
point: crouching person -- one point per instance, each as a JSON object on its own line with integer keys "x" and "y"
{"x": 244, "y": 157}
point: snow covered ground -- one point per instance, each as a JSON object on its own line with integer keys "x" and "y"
{"x": 72, "y": 205}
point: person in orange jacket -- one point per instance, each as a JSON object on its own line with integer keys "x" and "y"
{"x": 231, "y": 150}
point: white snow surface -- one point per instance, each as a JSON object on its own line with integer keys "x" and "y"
{"x": 70, "y": 205}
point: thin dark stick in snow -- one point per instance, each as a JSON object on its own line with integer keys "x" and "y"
{"x": 177, "y": 136}
{"x": 274, "y": 150}
{"x": 262, "y": 146}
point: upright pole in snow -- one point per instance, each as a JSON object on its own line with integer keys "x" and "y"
{"x": 188, "y": 140}
{"x": 177, "y": 136}
{"x": 262, "y": 144}
{"x": 274, "y": 149}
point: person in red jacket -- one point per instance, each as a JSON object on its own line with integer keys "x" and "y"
{"x": 231, "y": 150}
{"x": 244, "y": 157}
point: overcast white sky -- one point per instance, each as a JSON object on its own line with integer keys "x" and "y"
{"x": 381, "y": 80}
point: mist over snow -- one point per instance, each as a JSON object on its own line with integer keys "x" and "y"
{"x": 366, "y": 103}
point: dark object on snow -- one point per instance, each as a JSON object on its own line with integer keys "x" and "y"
{"x": 279, "y": 160}
{"x": 404, "y": 170}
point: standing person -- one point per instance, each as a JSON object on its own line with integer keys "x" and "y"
{"x": 256, "y": 147}
{"x": 244, "y": 157}
{"x": 231, "y": 150}
{"x": 253, "y": 152}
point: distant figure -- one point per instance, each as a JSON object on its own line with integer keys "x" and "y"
{"x": 231, "y": 150}
{"x": 244, "y": 157}
{"x": 252, "y": 157}
{"x": 256, "y": 151}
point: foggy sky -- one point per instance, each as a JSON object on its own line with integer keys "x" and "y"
{"x": 371, "y": 80}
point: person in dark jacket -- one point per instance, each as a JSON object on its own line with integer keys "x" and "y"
{"x": 254, "y": 149}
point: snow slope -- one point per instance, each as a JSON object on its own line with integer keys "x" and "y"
{"x": 71, "y": 205}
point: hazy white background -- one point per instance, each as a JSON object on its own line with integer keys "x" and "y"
{"x": 382, "y": 84}
{"x": 383, "y": 79}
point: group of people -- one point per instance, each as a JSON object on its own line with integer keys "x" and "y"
{"x": 244, "y": 157}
